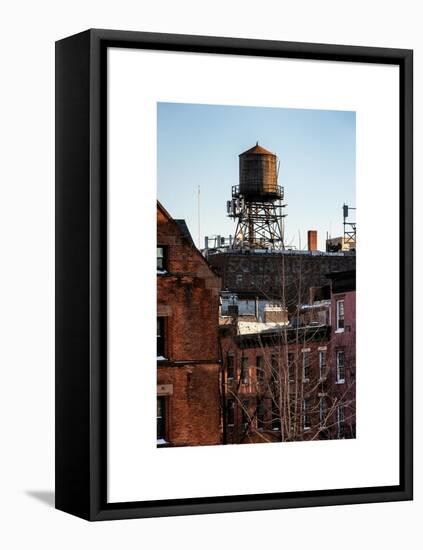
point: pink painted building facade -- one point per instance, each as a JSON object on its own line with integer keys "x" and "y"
{"x": 343, "y": 350}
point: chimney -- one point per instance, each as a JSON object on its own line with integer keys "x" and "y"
{"x": 312, "y": 240}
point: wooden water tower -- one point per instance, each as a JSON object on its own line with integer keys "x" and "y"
{"x": 256, "y": 202}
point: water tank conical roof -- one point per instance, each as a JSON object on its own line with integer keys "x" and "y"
{"x": 257, "y": 150}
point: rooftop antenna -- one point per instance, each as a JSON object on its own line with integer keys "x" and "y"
{"x": 350, "y": 226}
{"x": 198, "y": 219}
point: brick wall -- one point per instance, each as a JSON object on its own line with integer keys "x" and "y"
{"x": 188, "y": 300}
{"x": 255, "y": 389}
{"x": 262, "y": 274}
{"x": 193, "y": 410}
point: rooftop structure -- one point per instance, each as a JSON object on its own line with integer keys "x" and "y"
{"x": 256, "y": 203}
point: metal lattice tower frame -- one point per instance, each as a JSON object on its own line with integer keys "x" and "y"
{"x": 259, "y": 223}
{"x": 350, "y": 227}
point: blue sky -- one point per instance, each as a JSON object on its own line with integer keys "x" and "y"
{"x": 198, "y": 145}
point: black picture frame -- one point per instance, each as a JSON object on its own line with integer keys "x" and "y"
{"x": 81, "y": 274}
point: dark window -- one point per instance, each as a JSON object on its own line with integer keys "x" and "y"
{"x": 260, "y": 369}
{"x": 323, "y": 410}
{"x": 160, "y": 337}
{"x": 161, "y": 258}
{"x": 291, "y": 367}
{"x": 260, "y": 414}
{"x": 306, "y": 365}
{"x": 322, "y": 363}
{"x": 274, "y": 361}
{"x": 161, "y": 418}
{"x": 230, "y": 366}
{"x": 245, "y": 415}
{"x": 230, "y": 412}
{"x": 276, "y": 417}
{"x": 340, "y": 366}
{"x": 306, "y": 414}
{"x": 244, "y": 370}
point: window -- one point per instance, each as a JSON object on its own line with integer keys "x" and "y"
{"x": 161, "y": 258}
{"x": 260, "y": 369}
{"x": 244, "y": 370}
{"x": 245, "y": 415}
{"x": 276, "y": 418}
{"x": 322, "y": 364}
{"x": 323, "y": 411}
{"x": 293, "y": 416}
{"x": 260, "y": 414}
{"x": 291, "y": 367}
{"x": 306, "y": 414}
{"x": 340, "y": 367}
{"x": 230, "y": 371}
{"x": 340, "y": 315}
{"x": 340, "y": 419}
{"x": 274, "y": 361}
{"x": 160, "y": 337}
{"x": 306, "y": 366}
{"x": 230, "y": 412}
{"x": 161, "y": 419}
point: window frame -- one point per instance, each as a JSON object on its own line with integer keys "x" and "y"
{"x": 338, "y": 318}
{"x": 306, "y": 365}
{"x": 163, "y": 438}
{"x": 291, "y": 367}
{"x": 244, "y": 371}
{"x": 230, "y": 366}
{"x": 339, "y": 379}
{"x": 323, "y": 409}
{"x": 260, "y": 369}
{"x": 161, "y": 334}
{"x": 230, "y": 412}
{"x": 306, "y": 414}
{"x": 275, "y": 416}
{"x": 164, "y": 258}
{"x": 245, "y": 415}
{"x": 322, "y": 364}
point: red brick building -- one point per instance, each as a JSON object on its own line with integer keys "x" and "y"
{"x": 273, "y": 382}
{"x": 292, "y": 381}
{"x": 188, "y": 367}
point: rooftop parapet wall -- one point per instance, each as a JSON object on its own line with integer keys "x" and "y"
{"x": 266, "y": 275}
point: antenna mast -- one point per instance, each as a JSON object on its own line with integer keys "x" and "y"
{"x": 198, "y": 218}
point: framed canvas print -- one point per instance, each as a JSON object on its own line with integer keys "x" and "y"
{"x": 265, "y": 360}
